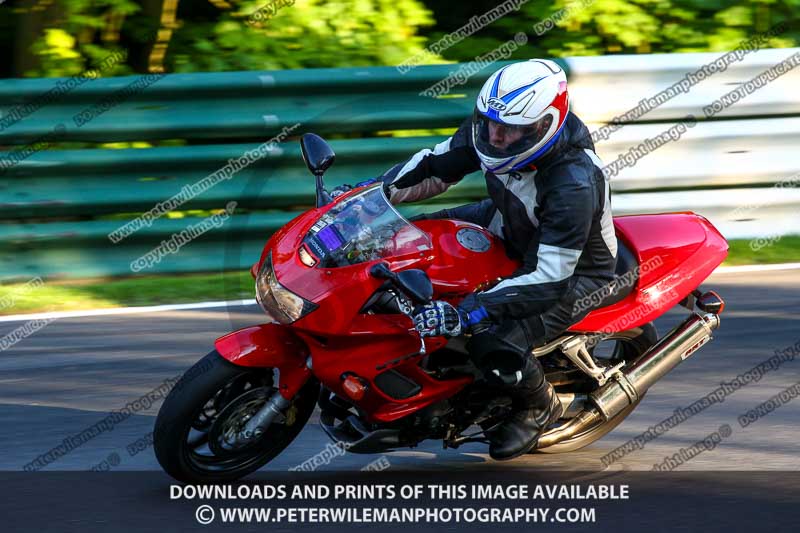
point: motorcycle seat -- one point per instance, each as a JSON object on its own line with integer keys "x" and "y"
{"x": 626, "y": 272}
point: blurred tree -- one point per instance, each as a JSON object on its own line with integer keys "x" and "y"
{"x": 594, "y": 27}
{"x": 65, "y": 37}
{"x": 69, "y": 36}
{"x": 309, "y": 33}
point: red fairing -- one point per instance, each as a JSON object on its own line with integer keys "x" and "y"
{"x": 676, "y": 252}
{"x": 388, "y": 349}
{"x": 269, "y": 346}
{"x": 340, "y": 291}
{"x": 346, "y": 342}
{"x": 459, "y": 268}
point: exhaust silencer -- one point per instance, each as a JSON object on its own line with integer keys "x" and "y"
{"x": 627, "y": 387}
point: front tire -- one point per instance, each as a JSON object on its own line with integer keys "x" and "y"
{"x": 193, "y": 426}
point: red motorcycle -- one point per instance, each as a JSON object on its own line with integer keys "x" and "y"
{"x": 339, "y": 284}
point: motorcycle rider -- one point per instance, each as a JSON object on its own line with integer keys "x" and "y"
{"x": 549, "y": 202}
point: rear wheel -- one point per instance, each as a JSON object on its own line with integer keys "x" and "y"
{"x": 627, "y": 346}
{"x": 195, "y": 436}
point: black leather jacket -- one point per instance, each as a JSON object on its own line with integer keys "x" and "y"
{"x": 554, "y": 216}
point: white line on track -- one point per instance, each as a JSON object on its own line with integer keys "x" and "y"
{"x": 125, "y": 310}
{"x": 756, "y": 268}
{"x": 239, "y": 303}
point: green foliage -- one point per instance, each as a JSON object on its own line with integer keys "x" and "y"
{"x": 309, "y": 33}
{"x": 599, "y": 27}
{"x": 72, "y": 41}
{"x": 78, "y": 34}
{"x": 75, "y": 35}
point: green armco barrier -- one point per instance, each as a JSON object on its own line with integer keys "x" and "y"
{"x": 58, "y": 205}
{"x": 83, "y": 249}
{"x": 52, "y": 202}
{"x": 60, "y": 200}
{"x": 242, "y": 104}
{"x": 78, "y": 182}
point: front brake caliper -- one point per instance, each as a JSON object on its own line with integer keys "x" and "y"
{"x": 291, "y": 415}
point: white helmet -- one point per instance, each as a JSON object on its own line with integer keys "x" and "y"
{"x": 528, "y": 102}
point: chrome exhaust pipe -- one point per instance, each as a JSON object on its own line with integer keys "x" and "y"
{"x": 575, "y": 426}
{"x": 628, "y": 386}
{"x": 572, "y": 403}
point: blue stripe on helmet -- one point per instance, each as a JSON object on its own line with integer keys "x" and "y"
{"x": 496, "y": 83}
{"x": 516, "y": 92}
{"x": 491, "y": 113}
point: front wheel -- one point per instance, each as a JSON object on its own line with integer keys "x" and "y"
{"x": 197, "y": 436}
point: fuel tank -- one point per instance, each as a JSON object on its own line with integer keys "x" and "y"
{"x": 466, "y": 257}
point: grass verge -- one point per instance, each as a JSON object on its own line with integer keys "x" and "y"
{"x": 95, "y": 294}
{"x": 764, "y": 252}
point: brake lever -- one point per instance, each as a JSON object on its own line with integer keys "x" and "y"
{"x": 382, "y": 271}
{"x": 410, "y": 314}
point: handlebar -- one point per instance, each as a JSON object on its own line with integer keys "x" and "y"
{"x": 382, "y": 271}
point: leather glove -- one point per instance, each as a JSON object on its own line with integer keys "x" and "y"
{"x": 439, "y": 318}
{"x": 341, "y": 189}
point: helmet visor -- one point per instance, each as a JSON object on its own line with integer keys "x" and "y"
{"x": 499, "y": 140}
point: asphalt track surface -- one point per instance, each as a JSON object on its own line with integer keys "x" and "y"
{"x": 70, "y": 374}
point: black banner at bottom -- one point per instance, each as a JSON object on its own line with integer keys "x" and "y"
{"x": 496, "y": 500}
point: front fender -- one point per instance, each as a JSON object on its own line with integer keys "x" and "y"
{"x": 269, "y": 346}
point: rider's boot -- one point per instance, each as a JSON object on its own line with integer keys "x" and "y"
{"x": 534, "y": 406}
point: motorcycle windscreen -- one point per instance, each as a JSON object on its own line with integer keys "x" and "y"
{"x": 362, "y": 228}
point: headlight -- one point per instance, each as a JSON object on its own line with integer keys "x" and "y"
{"x": 278, "y": 301}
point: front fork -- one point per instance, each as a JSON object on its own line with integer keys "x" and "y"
{"x": 268, "y": 346}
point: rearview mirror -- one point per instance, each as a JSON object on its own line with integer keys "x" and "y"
{"x": 416, "y": 285}
{"x": 318, "y": 156}
{"x": 317, "y": 153}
